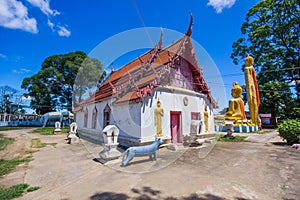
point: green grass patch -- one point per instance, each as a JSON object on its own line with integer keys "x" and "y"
{"x": 31, "y": 151}
{"x": 236, "y": 139}
{"x": 6, "y": 166}
{"x": 4, "y": 141}
{"x": 13, "y": 191}
{"x": 37, "y": 143}
{"x": 50, "y": 131}
{"x": 8, "y": 128}
{"x": 31, "y": 189}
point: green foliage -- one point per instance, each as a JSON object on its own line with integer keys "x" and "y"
{"x": 50, "y": 130}
{"x": 7, "y": 166}
{"x": 4, "y": 141}
{"x": 53, "y": 85}
{"x": 89, "y": 73}
{"x": 272, "y": 36}
{"x": 276, "y": 98}
{"x": 290, "y": 130}
{"x": 31, "y": 189}
{"x": 223, "y": 112}
{"x": 13, "y": 191}
{"x": 9, "y": 101}
{"x": 31, "y": 151}
{"x": 221, "y": 138}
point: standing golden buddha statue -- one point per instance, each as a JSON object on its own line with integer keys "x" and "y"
{"x": 252, "y": 90}
{"x": 158, "y": 114}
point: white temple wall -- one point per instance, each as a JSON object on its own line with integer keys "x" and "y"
{"x": 79, "y": 118}
{"x": 127, "y": 117}
{"x": 136, "y": 120}
{"x": 172, "y": 100}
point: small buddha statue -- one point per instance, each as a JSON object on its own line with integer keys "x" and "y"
{"x": 158, "y": 114}
{"x": 206, "y": 116}
{"x": 236, "y": 109}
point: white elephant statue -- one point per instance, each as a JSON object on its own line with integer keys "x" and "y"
{"x": 65, "y": 118}
{"x": 51, "y": 116}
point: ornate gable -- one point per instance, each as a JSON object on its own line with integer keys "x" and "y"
{"x": 175, "y": 65}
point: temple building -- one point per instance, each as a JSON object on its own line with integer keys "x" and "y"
{"x": 161, "y": 93}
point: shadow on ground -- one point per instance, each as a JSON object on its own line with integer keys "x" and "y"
{"x": 280, "y": 144}
{"x": 147, "y": 193}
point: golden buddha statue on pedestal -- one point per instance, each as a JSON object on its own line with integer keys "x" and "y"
{"x": 236, "y": 109}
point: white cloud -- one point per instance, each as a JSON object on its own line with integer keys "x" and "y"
{"x": 50, "y": 24}
{"x": 21, "y": 71}
{"x": 2, "y": 55}
{"x": 219, "y": 5}
{"x": 25, "y": 70}
{"x": 14, "y": 15}
{"x": 62, "y": 31}
{"x": 44, "y": 6}
{"x": 26, "y": 98}
{"x": 17, "y": 71}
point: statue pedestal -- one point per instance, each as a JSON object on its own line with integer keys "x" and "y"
{"x": 72, "y": 138}
{"x": 57, "y": 127}
{"x": 238, "y": 129}
{"x": 253, "y": 128}
{"x": 245, "y": 129}
{"x": 110, "y": 152}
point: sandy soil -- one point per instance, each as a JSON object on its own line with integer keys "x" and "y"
{"x": 245, "y": 170}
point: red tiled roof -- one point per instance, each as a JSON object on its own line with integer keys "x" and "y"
{"x": 118, "y": 78}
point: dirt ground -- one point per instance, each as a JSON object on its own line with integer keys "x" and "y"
{"x": 247, "y": 170}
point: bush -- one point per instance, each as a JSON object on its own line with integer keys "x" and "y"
{"x": 290, "y": 130}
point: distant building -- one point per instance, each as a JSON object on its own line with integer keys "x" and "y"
{"x": 265, "y": 118}
{"x": 128, "y": 97}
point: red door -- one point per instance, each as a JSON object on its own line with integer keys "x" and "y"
{"x": 176, "y": 127}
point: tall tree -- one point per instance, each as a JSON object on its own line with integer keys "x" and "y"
{"x": 10, "y": 100}
{"x": 272, "y": 36}
{"x": 276, "y": 98}
{"x": 86, "y": 78}
{"x": 53, "y": 86}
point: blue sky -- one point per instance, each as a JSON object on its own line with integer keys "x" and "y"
{"x": 32, "y": 30}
